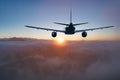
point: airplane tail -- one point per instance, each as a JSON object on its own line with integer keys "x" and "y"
{"x": 70, "y": 15}
{"x": 71, "y": 19}
{"x": 65, "y": 23}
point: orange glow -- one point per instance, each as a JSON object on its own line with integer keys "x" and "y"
{"x": 60, "y": 40}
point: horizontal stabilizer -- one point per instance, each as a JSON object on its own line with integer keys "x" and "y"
{"x": 62, "y": 24}
{"x": 80, "y": 24}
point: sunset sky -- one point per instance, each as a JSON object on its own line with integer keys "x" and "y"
{"x": 15, "y": 14}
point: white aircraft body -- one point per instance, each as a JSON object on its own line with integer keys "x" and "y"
{"x": 70, "y": 28}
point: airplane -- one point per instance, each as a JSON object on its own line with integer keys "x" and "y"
{"x": 70, "y": 28}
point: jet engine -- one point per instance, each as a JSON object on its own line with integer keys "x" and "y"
{"x": 54, "y": 34}
{"x": 84, "y": 34}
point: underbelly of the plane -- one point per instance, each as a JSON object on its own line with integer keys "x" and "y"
{"x": 69, "y": 32}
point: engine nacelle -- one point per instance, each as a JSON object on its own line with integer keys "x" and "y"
{"x": 84, "y": 34}
{"x": 54, "y": 34}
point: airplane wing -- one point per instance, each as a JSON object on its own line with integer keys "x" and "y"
{"x": 47, "y": 29}
{"x": 93, "y": 29}
{"x": 80, "y": 24}
{"x": 62, "y": 24}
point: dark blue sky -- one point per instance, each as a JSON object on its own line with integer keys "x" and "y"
{"x": 14, "y": 14}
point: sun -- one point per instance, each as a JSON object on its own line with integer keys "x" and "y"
{"x": 60, "y": 40}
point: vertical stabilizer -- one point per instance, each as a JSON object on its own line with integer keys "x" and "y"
{"x": 70, "y": 15}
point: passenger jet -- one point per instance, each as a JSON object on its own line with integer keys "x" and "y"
{"x": 70, "y": 28}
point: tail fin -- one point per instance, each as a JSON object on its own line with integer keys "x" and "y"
{"x": 70, "y": 15}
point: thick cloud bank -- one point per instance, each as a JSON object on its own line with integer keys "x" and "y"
{"x": 43, "y": 60}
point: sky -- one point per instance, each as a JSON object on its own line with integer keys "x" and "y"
{"x": 15, "y": 14}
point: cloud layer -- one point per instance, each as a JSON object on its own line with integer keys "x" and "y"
{"x": 43, "y": 60}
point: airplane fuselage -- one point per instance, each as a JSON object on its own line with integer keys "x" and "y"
{"x": 70, "y": 29}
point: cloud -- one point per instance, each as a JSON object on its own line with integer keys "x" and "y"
{"x": 42, "y": 60}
